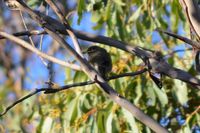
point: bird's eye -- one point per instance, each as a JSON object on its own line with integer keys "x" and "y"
{"x": 92, "y": 49}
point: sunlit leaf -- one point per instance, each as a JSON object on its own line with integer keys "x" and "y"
{"x": 131, "y": 121}
{"x": 119, "y": 2}
{"x": 135, "y": 15}
{"x": 96, "y": 16}
{"x": 80, "y": 8}
{"x": 181, "y": 92}
{"x": 161, "y": 95}
{"x": 109, "y": 123}
{"x": 47, "y": 125}
{"x": 100, "y": 121}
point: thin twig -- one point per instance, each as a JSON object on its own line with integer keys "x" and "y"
{"x": 92, "y": 82}
{"x": 30, "y": 38}
{"x": 65, "y": 87}
{"x": 64, "y": 21}
{"x": 192, "y": 114}
{"x": 27, "y": 33}
{"x": 184, "y": 39}
{"x": 171, "y": 53}
{"x": 26, "y": 28}
{"x": 20, "y": 100}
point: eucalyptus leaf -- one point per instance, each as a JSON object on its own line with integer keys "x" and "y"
{"x": 181, "y": 92}
{"x": 80, "y": 8}
{"x": 109, "y": 123}
{"x": 131, "y": 121}
{"x": 135, "y": 15}
{"x": 161, "y": 95}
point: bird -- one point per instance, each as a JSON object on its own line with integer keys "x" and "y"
{"x": 100, "y": 59}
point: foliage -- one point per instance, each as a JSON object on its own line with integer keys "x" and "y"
{"x": 87, "y": 109}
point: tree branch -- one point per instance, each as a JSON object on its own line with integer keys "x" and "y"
{"x": 184, "y": 39}
{"x": 27, "y": 33}
{"x": 20, "y": 100}
{"x": 192, "y": 12}
{"x": 65, "y": 87}
{"x": 140, "y": 52}
{"x": 171, "y": 53}
{"x": 38, "y": 52}
{"x": 64, "y": 21}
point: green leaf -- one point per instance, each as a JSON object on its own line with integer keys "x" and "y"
{"x": 72, "y": 110}
{"x": 161, "y": 95}
{"x": 120, "y": 26}
{"x": 35, "y": 3}
{"x": 117, "y": 85}
{"x": 119, "y": 2}
{"x": 108, "y": 11}
{"x": 131, "y": 120}
{"x": 80, "y": 76}
{"x": 181, "y": 92}
{"x": 109, "y": 123}
{"x": 138, "y": 92}
{"x": 140, "y": 30}
{"x": 47, "y": 125}
{"x": 85, "y": 102}
{"x": 151, "y": 96}
{"x": 100, "y": 122}
{"x": 186, "y": 129}
{"x": 68, "y": 73}
{"x": 96, "y": 16}
{"x": 40, "y": 125}
{"x": 135, "y": 15}
{"x": 80, "y": 8}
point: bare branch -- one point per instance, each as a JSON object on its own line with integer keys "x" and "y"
{"x": 30, "y": 38}
{"x": 126, "y": 47}
{"x": 58, "y": 12}
{"x": 65, "y": 87}
{"x": 27, "y": 33}
{"x": 192, "y": 12}
{"x": 161, "y": 66}
{"x": 69, "y": 31}
{"x": 38, "y": 52}
{"x": 184, "y": 39}
{"x": 20, "y": 100}
{"x": 171, "y": 53}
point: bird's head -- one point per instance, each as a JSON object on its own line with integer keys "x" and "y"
{"x": 94, "y": 49}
